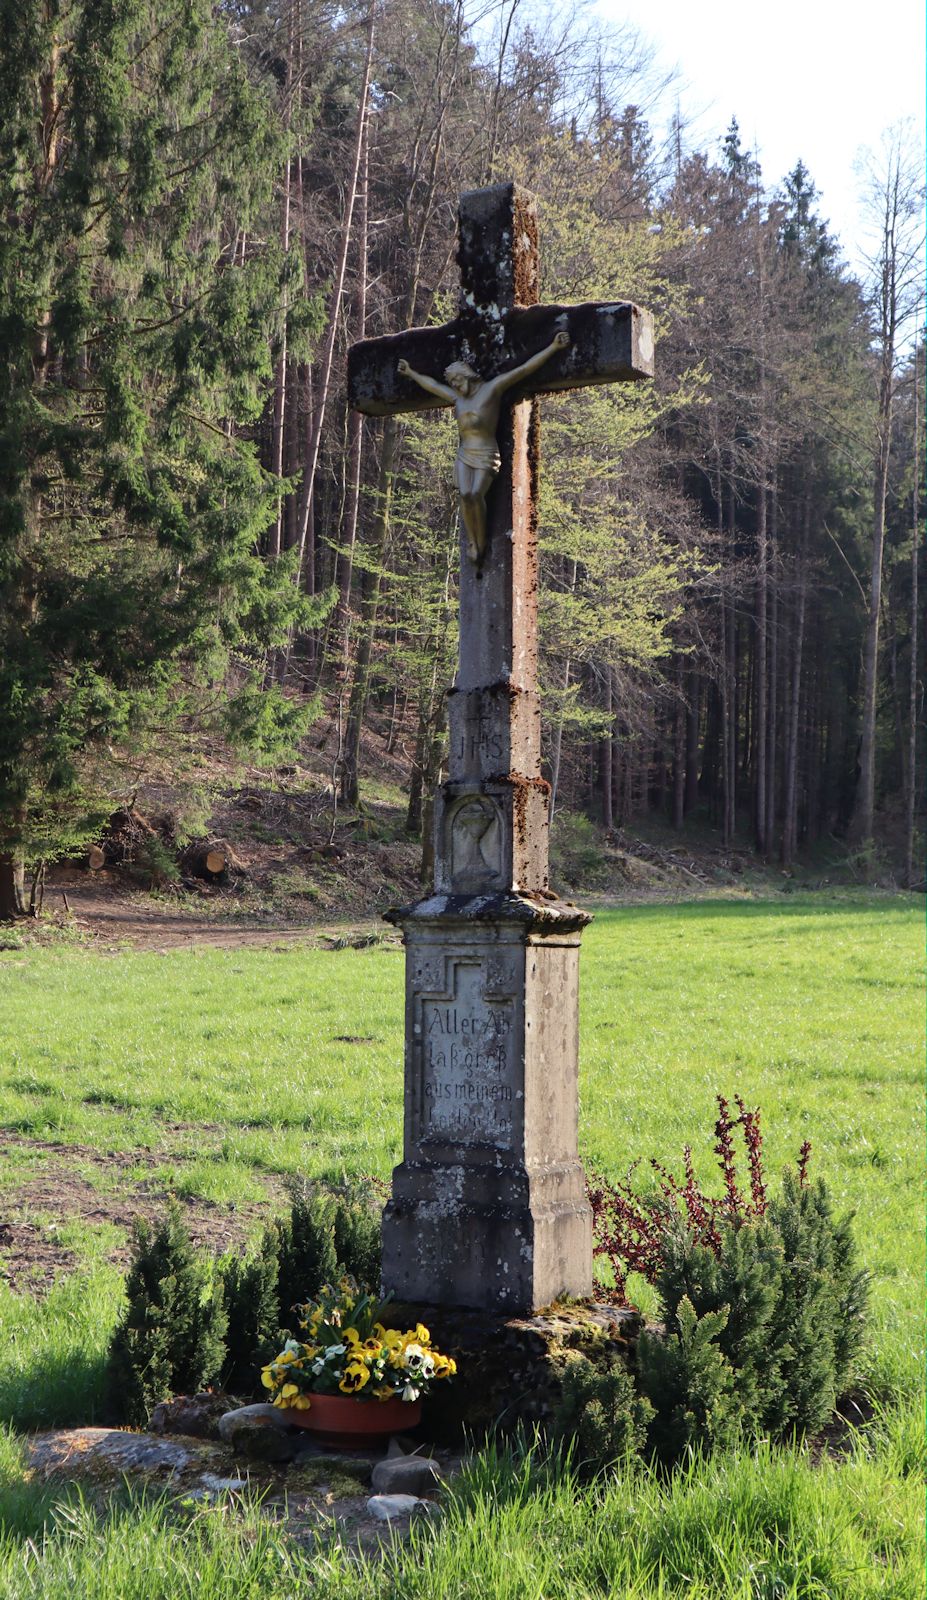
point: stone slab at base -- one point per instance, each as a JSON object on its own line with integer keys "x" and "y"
{"x": 510, "y": 1369}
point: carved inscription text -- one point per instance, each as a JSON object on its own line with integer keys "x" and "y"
{"x": 465, "y": 1045}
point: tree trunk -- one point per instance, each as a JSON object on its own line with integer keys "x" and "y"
{"x": 558, "y": 733}
{"x": 370, "y": 603}
{"x": 12, "y": 885}
{"x": 355, "y": 427}
{"x": 762, "y": 841}
{"x": 278, "y": 433}
{"x": 434, "y": 762}
{"x": 679, "y": 750}
{"x": 790, "y": 824}
{"x": 328, "y": 350}
{"x": 692, "y": 751}
{"x": 865, "y": 798}
{"x": 605, "y": 756}
{"x": 773, "y": 664}
{"x": 911, "y": 763}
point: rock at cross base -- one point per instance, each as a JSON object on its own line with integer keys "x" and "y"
{"x": 260, "y": 1433}
{"x": 488, "y": 1208}
{"x": 387, "y": 1507}
{"x": 104, "y": 1456}
{"x": 196, "y": 1416}
{"x": 416, "y": 1475}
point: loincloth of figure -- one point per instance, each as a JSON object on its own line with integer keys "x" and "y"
{"x": 477, "y": 454}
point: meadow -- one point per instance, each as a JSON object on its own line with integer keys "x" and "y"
{"x": 218, "y": 1073}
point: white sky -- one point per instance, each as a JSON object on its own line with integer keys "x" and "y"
{"x": 808, "y": 79}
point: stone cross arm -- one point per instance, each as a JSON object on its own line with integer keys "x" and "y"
{"x": 609, "y": 342}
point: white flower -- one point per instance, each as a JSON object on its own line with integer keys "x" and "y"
{"x": 333, "y": 1351}
{"x": 410, "y": 1393}
{"x": 428, "y": 1366}
{"x": 292, "y": 1347}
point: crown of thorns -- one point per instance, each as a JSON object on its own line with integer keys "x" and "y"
{"x": 460, "y": 369}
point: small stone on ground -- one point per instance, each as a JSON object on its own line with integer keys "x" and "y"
{"x": 407, "y": 1475}
{"x": 387, "y": 1507}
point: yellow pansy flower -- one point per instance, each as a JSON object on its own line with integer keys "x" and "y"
{"x": 355, "y": 1376}
{"x": 288, "y": 1390}
{"x": 351, "y": 1335}
{"x": 422, "y": 1336}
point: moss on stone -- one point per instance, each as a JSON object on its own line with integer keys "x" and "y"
{"x": 510, "y": 1369}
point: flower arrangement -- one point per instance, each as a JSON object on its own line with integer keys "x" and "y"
{"x": 348, "y": 1351}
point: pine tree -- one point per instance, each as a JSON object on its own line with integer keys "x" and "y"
{"x": 139, "y": 328}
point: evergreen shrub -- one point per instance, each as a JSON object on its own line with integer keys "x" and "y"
{"x": 171, "y": 1336}
{"x": 326, "y": 1235}
{"x": 691, "y": 1385}
{"x": 601, "y": 1419}
{"x": 253, "y": 1305}
{"x": 329, "y": 1233}
{"x": 762, "y": 1300}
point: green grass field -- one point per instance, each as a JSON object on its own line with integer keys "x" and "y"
{"x": 219, "y": 1072}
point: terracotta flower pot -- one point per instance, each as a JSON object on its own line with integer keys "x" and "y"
{"x": 343, "y": 1423}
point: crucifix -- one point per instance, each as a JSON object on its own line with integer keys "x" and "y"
{"x": 488, "y": 1206}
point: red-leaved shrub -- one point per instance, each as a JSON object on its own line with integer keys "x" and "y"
{"x": 629, "y": 1230}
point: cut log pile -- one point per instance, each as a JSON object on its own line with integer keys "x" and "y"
{"x": 149, "y": 847}
{"x": 210, "y": 860}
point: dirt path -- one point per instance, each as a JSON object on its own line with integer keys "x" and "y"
{"x": 115, "y": 915}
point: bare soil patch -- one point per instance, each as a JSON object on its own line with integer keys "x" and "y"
{"x": 31, "y": 1255}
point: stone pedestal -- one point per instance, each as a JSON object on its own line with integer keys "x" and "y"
{"x": 488, "y": 1207}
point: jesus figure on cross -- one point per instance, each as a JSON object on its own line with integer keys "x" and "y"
{"x": 476, "y": 407}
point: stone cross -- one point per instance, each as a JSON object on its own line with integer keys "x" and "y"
{"x": 488, "y": 1207}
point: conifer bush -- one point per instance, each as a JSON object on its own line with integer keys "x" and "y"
{"x": 691, "y": 1385}
{"x": 600, "y": 1418}
{"x": 329, "y": 1233}
{"x": 326, "y": 1235}
{"x": 761, "y": 1297}
{"x": 171, "y": 1336}
{"x": 253, "y": 1306}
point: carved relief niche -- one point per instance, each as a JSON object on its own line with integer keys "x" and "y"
{"x": 474, "y": 836}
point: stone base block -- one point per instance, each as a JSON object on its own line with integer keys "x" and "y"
{"x": 501, "y": 1240}
{"x": 510, "y": 1369}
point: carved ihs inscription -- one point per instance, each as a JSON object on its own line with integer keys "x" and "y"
{"x": 480, "y": 738}
{"x": 465, "y": 1045}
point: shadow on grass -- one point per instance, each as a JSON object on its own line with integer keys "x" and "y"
{"x": 53, "y": 1351}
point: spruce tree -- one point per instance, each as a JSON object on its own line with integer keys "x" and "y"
{"x": 141, "y": 313}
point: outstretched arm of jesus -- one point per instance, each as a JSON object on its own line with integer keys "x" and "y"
{"x": 507, "y": 380}
{"x": 442, "y": 390}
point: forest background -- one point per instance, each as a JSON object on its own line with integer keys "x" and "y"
{"x": 205, "y": 205}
